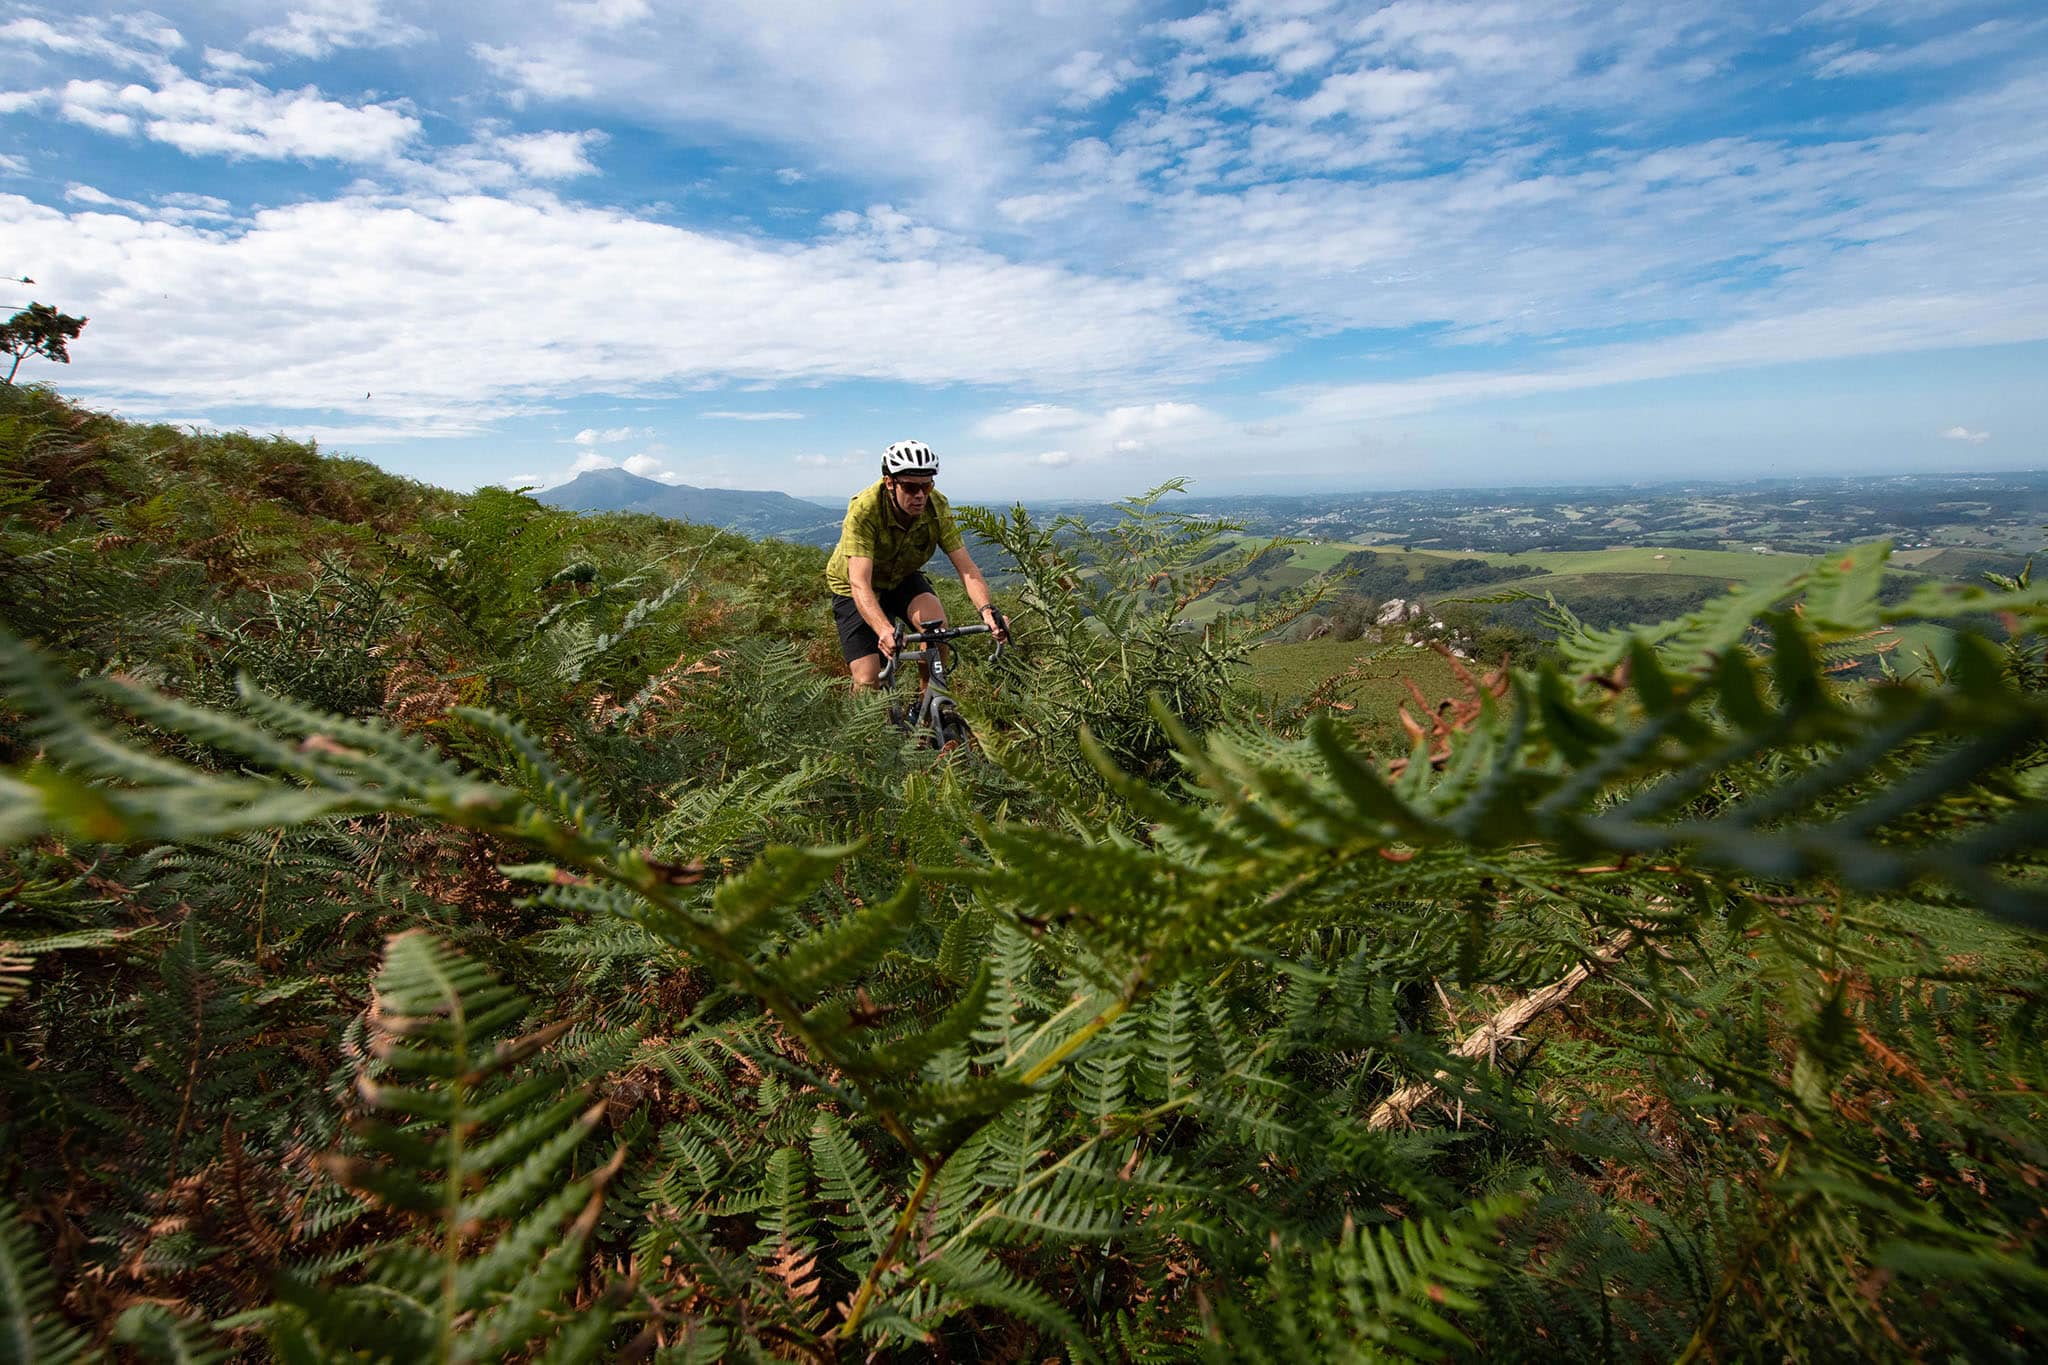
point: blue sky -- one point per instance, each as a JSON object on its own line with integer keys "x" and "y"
{"x": 1079, "y": 246}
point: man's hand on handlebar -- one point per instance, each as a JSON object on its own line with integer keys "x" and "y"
{"x": 998, "y": 624}
{"x": 886, "y": 639}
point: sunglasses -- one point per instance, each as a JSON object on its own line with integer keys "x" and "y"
{"x": 916, "y": 489}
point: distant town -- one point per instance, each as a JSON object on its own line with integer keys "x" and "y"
{"x": 1996, "y": 512}
{"x": 2002, "y": 513}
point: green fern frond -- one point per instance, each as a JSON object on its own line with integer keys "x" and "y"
{"x": 484, "y": 1139}
{"x": 748, "y": 907}
{"x": 1550, "y": 780}
{"x": 846, "y": 1177}
{"x": 545, "y": 778}
{"x": 159, "y": 1334}
{"x": 1385, "y": 1292}
{"x": 30, "y": 1330}
{"x": 833, "y": 956}
{"x": 972, "y": 1278}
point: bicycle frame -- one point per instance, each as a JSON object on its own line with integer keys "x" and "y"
{"x": 934, "y": 713}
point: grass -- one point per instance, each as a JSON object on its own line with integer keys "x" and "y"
{"x": 1605, "y": 599}
{"x": 1923, "y": 643}
{"x": 1968, "y": 564}
{"x": 1324, "y": 557}
{"x": 1730, "y": 566}
{"x": 1287, "y": 673}
{"x": 1605, "y": 587}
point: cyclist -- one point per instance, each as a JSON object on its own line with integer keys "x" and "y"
{"x": 876, "y": 572}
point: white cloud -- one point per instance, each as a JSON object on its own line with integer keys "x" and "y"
{"x": 13, "y": 165}
{"x": 1087, "y": 77}
{"x": 1029, "y": 420}
{"x": 196, "y": 205}
{"x": 1038, "y": 208}
{"x": 313, "y": 28}
{"x": 1877, "y": 11}
{"x": 938, "y": 98}
{"x": 241, "y": 121}
{"x": 1975, "y": 438}
{"x": 1292, "y": 45}
{"x": 604, "y": 14}
{"x": 96, "y": 38}
{"x": 732, "y": 416}
{"x": 1373, "y": 93}
{"x": 553, "y": 156}
{"x": 465, "y": 309}
{"x": 170, "y": 208}
{"x": 221, "y": 62}
{"x": 541, "y": 72}
{"x": 1881, "y": 326}
{"x": 1243, "y": 90}
{"x": 591, "y": 436}
{"x": 87, "y": 194}
{"x": 1841, "y": 60}
{"x": 1702, "y": 234}
{"x": 823, "y": 461}
{"x": 1447, "y": 175}
{"x": 496, "y": 161}
{"x": 1152, "y": 418}
{"x": 645, "y": 465}
{"x": 1129, "y": 430}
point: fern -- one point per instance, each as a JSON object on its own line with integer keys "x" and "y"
{"x": 1385, "y": 1292}
{"x": 161, "y": 1335}
{"x": 465, "y": 1136}
{"x": 30, "y": 1330}
{"x": 987, "y": 1059}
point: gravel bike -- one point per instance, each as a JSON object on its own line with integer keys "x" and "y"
{"x": 934, "y": 717}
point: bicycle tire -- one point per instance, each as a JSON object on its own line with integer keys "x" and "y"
{"x": 951, "y": 729}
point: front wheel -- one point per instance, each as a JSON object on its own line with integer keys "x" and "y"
{"x": 952, "y": 730}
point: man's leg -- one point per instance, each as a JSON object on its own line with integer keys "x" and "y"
{"x": 857, "y": 644}
{"x": 927, "y": 610}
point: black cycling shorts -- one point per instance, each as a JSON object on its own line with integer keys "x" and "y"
{"x": 856, "y": 637}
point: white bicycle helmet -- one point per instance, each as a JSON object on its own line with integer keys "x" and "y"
{"x": 910, "y": 457}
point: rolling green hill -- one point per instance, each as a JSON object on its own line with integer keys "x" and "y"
{"x": 444, "y": 927}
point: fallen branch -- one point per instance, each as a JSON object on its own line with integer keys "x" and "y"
{"x": 1505, "y": 1026}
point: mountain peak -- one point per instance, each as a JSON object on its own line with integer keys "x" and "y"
{"x": 754, "y": 512}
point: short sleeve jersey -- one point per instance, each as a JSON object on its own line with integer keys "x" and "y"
{"x": 872, "y": 531}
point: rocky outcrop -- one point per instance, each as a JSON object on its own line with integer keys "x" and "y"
{"x": 1396, "y": 610}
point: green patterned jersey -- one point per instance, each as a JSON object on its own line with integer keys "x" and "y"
{"x": 873, "y": 530}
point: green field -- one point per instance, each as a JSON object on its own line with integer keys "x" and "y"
{"x": 1323, "y": 557}
{"x": 1923, "y": 644}
{"x": 1606, "y": 599}
{"x": 1615, "y": 586}
{"x": 1289, "y": 672}
{"x": 1728, "y": 565}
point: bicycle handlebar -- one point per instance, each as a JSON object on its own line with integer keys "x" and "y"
{"x": 939, "y": 636}
{"x": 935, "y": 636}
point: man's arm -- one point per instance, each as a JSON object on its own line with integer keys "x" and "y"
{"x": 860, "y": 576}
{"x": 977, "y": 590}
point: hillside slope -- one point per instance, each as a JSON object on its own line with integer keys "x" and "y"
{"x": 444, "y": 927}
